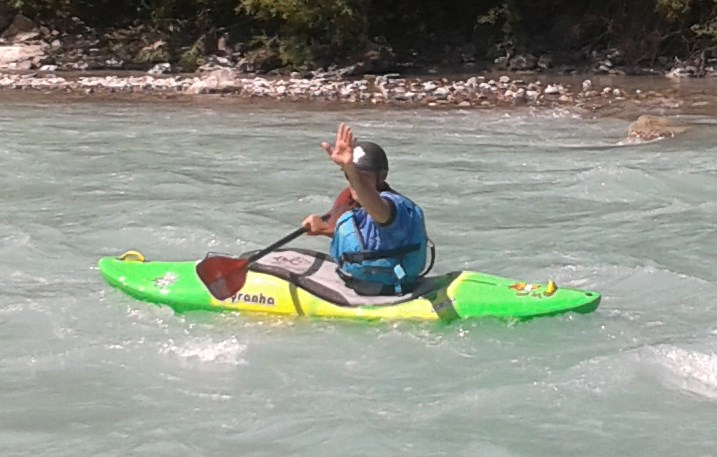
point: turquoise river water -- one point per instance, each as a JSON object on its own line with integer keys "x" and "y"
{"x": 88, "y": 371}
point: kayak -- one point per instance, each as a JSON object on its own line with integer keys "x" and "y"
{"x": 304, "y": 282}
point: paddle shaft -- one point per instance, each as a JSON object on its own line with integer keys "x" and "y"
{"x": 290, "y": 237}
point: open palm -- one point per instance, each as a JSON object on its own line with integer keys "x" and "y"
{"x": 342, "y": 152}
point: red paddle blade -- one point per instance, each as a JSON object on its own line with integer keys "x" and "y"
{"x": 224, "y": 276}
{"x": 343, "y": 202}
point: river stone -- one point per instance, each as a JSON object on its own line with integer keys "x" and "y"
{"x": 18, "y": 56}
{"x": 648, "y": 127}
{"x": 21, "y": 26}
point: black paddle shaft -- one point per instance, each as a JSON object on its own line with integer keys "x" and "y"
{"x": 290, "y": 237}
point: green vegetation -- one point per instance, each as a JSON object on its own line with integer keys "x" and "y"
{"x": 310, "y": 33}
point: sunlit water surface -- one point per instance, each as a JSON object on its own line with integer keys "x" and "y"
{"x": 86, "y": 370}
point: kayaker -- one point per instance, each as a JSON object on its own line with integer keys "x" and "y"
{"x": 380, "y": 244}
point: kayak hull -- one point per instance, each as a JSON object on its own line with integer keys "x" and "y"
{"x": 459, "y": 295}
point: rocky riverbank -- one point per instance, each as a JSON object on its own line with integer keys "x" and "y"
{"x": 477, "y": 91}
{"x": 390, "y": 89}
{"x": 35, "y": 60}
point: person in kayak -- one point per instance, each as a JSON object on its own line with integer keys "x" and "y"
{"x": 380, "y": 243}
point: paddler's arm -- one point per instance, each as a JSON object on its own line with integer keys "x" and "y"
{"x": 316, "y": 226}
{"x": 380, "y": 209}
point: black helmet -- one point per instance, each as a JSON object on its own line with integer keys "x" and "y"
{"x": 370, "y": 157}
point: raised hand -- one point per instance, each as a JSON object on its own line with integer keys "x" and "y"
{"x": 342, "y": 153}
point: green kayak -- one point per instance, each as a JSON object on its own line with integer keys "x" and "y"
{"x": 303, "y": 282}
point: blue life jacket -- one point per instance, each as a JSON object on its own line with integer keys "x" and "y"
{"x": 376, "y": 260}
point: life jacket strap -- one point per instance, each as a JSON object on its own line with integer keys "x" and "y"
{"x": 432, "y": 248}
{"x": 371, "y": 288}
{"x": 400, "y": 274}
{"x": 359, "y": 257}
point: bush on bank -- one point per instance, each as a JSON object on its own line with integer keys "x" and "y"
{"x": 313, "y": 33}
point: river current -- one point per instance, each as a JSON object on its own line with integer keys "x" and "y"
{"x": 532, "y": 195}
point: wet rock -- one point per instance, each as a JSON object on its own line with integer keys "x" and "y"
{"x": 648, "y": 127}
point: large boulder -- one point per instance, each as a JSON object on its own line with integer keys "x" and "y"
{"x": 215, "y": 82}
{"x": 21, "y": 29}
{"x": 21, "y": 57}
{"x": 20, "y": 48}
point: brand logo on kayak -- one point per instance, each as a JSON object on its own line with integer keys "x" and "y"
{"x": 260, "y": 299}
{"x": 295, "y": 261}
